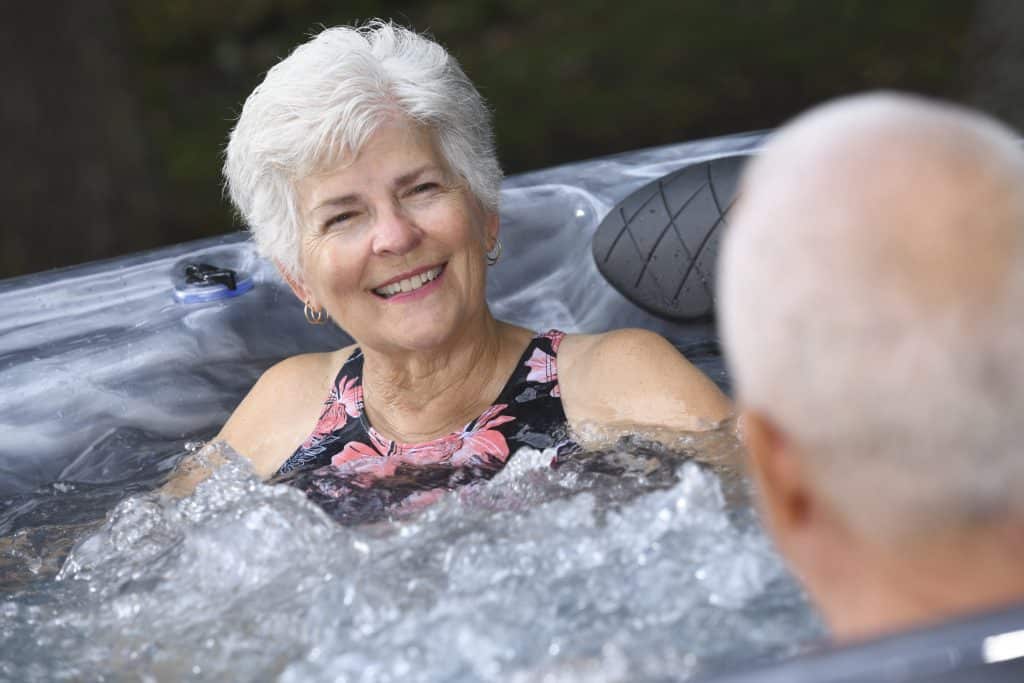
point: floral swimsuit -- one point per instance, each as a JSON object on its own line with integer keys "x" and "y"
{"x": 356, "y": 474}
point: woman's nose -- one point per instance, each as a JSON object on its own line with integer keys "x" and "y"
{"x": 395, "y": 233}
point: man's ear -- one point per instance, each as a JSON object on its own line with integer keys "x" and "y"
{"x": 294, "y": 281}
{"x": 814, "y": 540}
{"x": 774, "y": 463}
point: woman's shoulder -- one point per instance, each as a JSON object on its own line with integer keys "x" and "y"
{"x": 605, "y": 362}
{"x": 298, "y": 377}
{"x": 305, "y": 366}
{"x": 282, "y": 408}
{"x": 613, "y": 347}
{"x": 636, "y": 376}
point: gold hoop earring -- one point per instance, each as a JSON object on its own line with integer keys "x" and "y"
{"x": 495, "y": 254}
{"x": 314, "y": 316}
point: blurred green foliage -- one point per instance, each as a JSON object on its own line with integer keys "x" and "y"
{"x": 566, "y": 80}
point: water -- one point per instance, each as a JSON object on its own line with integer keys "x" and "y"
{"x": 631, "y": 564}
{"x": 628, "y": 565}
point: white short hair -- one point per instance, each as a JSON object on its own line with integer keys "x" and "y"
{"x": 320, "y": 105}
{"x": 872, "y": 305}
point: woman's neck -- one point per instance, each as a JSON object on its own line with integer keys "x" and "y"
{"x": 419, "y": 396}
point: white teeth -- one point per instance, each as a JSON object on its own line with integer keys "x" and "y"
{"x": 409, "y": 284}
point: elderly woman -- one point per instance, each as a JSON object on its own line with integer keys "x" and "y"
{"x": 365, "y": 168}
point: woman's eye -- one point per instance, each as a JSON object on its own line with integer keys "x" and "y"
{"x": 425, "y": 187}
{"x": 340, "y": 218}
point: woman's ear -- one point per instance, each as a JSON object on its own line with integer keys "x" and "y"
{"x": 294, "y": 281}
{"x": 492, "y": 227}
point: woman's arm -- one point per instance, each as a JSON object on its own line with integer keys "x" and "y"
{"x": 280, "y": 411}
{"x": 195, "y": 468}
{"x": 277, "y": 414}
{"x": 634, "y": 381}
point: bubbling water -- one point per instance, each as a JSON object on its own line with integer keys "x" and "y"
{"x": 631, "y": 564}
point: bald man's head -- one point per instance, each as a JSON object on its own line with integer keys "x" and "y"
{"x": 926, "y": 198}
{"x": 870, "y": 291}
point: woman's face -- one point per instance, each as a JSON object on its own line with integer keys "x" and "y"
{"x": 393, "y": 244}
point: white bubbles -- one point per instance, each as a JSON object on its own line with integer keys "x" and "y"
{"x": 607, "y": 569}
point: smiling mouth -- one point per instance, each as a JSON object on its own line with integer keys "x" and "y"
{"x": 409, "y": 284}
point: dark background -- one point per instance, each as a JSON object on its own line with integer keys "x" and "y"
{"x": 114, "y": 112}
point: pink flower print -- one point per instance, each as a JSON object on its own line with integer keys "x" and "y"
{"x": 355, "y": 450}
{"x": 482, "y": 444}
{"x": 543, "y": 369}
{"x": 378, "y": 448}
{"x": 555, "y": 336}
{"x": 365, "y": 464}
{"x": 345, "y": 401}
{"x": 434, "y": 452}
{"x": 352, "y": 396}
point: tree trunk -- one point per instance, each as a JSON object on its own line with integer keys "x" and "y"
{"x": 74, "y": 184}
{"x": 994, "y": 66}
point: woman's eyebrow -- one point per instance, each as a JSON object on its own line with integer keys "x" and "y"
{"x": 411, "y": 176}
{"x": 400, "y": 181}
{"x": 340, "y": 200}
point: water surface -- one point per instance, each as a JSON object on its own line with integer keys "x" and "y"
{"x": 635, "y": 563}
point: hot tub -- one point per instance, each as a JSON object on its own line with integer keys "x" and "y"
{"x": 638, "y": 563}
